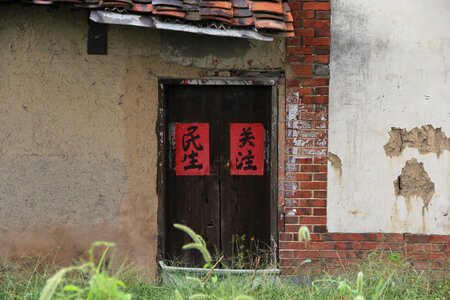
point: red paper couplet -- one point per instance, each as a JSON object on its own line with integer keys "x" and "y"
{"x": 192, "y": 149}
{"x": 246, "y": 149}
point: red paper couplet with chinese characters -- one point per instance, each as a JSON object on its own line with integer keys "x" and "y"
{"x": 192, "y": 149}
{"x": 246, "y": 149}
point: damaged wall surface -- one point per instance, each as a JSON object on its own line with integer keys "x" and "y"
{"x": 78, "y": 143}
{"x": 390, "y": 117}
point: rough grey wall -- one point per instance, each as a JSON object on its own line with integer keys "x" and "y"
{"x": 78, "y": 147}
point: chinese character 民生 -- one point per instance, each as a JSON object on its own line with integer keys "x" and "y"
{"x": 189, "y": 138}
{"x": 246, "y": 161}
{"x": 246, "y": 137}
{"x": 193, "y": 161}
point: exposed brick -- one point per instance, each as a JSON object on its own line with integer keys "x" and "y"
{"x": 313, "y": 203}
{"x": 322, "y": 32}
{"x": 305, "y": 160}
{"x": 321, "y": 91}
{"x": 302, "y": 194}
{"x": 313, "y": 185}
{"x": 298, "y": 51}
{"x": 286, "y": 236}
{"x": 348, "y": 245}
{"x": 316, "y": 41}
{"x": 416, "y": 238}
{"x": 439, "y": 256}
{"x": 371, "y": 245}
{"x": 292, "y": 227}
{"x": 303, "y": 70}
{"x": 286, "y": 254}
{"x": 303, "y": 177}
{"x": 320, "y": 211}
{"x": 313, "y": 168}
{"x": 300, "y": 14}
{"x": 305, "y": 91}
{"x": 321, "y": 59}
{"x": 343, "y": 237}
{"x": 305, "y": 254}
{"x": 292, "y": 220}
{"x": 304, "y": 211}
{"x": 315, "y": 100}
{"x": 316, "y": 6}
{"x": 320, "y": 160}
{"x": 314, "y": 82}
{"x": 292, "y": 245}
{"x": 324, "y": 15}
{"x": 392, "y": 237}
{"x": 313, "y": 220}
{"x": 321, "y": 50}
{"x": 320, "y": 229}
{"x": 304, "y": 32}
{"x": 320, "y": 177}
{"x": 425, "y": 247}
{"x": 319, "y": 194}
{"x": 439, "y": 239}
{"x": 316, "y": 23}
{"x": 292, "y": 83}
{"x": 321, "y": 245}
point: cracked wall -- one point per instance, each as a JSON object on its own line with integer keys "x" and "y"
{"x": 389, "y": 117}
{"x": 78, "y": 143}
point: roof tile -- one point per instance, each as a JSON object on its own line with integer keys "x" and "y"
{"x": 268, "y": 17}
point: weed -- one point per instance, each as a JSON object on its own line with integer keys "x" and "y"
{"x": 385, "y": 277}
{"x": 99, "y": 285}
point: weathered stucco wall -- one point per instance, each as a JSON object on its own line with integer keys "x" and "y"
{"x": 78, "y": 147}
{"x": 390, "y": 67}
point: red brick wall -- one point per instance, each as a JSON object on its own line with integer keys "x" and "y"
{"x": 303, "y": 195}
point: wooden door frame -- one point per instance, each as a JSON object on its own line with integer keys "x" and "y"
{"x": 162, "y": 131}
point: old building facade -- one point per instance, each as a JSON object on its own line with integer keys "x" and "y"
{"x": 357, "y": 128}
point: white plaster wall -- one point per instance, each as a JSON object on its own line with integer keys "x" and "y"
{"x": 390, "y": 67}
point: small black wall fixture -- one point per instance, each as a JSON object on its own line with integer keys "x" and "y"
{"x": 97, "y": 38}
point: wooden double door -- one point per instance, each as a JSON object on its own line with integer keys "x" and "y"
{"x": 217, "y": 205}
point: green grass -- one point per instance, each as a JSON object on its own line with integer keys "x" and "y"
{"x": 384, "y": 278}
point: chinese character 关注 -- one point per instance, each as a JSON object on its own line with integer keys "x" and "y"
{"x": 246, "y": 137}
{"x": 246, "y": 161}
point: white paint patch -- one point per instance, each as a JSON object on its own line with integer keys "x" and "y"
{"x": 390, "y": 67}
{"x": 292, "y": 112}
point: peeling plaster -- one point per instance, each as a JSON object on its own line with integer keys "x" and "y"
{"x": 414, "y": 182}
{"x": 425, "y": 139}
{"x": 336, "y": 161}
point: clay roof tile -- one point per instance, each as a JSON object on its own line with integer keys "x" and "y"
{"x": 268, "y": 17}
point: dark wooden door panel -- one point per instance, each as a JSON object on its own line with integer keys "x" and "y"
{"x": 192, "y": 200}
{"x": 245, "y": 200}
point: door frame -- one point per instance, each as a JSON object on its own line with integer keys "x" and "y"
{"x": 162, "y": 132}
